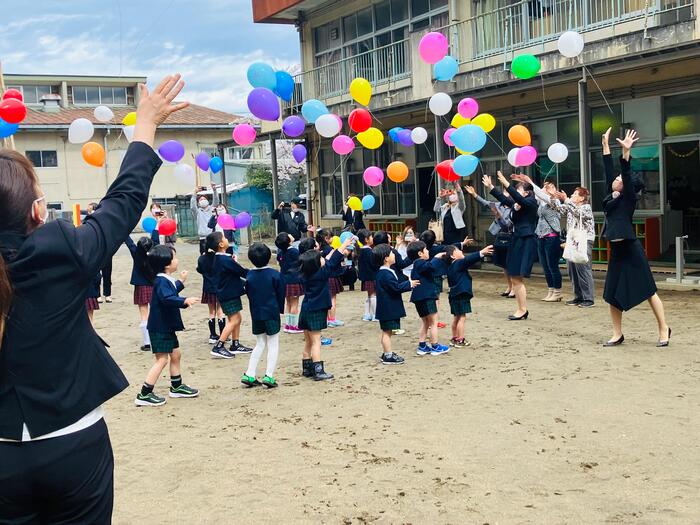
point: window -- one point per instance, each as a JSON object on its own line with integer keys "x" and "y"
{"x": 682, "y": 114}
{"x": 54, "y": 205}
{"x": 43, "y": 159}
{"x": 32, "y": 94}
{"x": 331, "y": 194}
{"x": 94, "y": 95}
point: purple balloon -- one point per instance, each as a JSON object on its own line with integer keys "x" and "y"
{"x": 242, "y": 220}
{"x": 293, "y": 126}
{"x": 202, "y": 160}
{"x": 299, "y": 153}
{"x": 405, "y": 137}
{"x": 264, "y": 104}
{"x": 171, "y": 150}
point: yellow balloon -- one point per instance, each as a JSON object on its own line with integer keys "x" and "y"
{"x": 462, "y": 152}
{"x": 355, "y": 204}
{"x": 335, "y": 242}
{"x": 130, "y": 119}
{"x": 485, "y": 121}
{"x": 361, "y": 90}
{"x": 371, "y": 139}
{"x": 458, "y": 121}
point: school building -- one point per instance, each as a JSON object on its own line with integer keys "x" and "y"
{"x": 640, "y": 69}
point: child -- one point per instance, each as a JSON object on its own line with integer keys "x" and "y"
{"x": 288, "y": 259}
{"x": 315, "y": 271}
{"x": 230, "y": 235}
{"x": 229, "y": 289}
{"x": 424, "y": 296}
{"x": 335, "y": 285}
{"x": 367, "y": 272}
{"x": 265, "y": 290}
{"x": 390, "y": 308}
{"x": 428, "y": 237}
{"x": 142, "y": 281}
{"x": 206, "y": 267}
{"x": 382, "y": 237}
{"x": 93, "y": 294}
{"x": 461, "y": 288}
{"x": 164, "y": 320}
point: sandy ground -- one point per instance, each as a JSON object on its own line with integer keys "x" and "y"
{"x": 534, "y": 423}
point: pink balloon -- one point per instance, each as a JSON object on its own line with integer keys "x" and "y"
{"x": 526, "y": 156}
{"x": 446, "y": 136}
{"x": 244, "y": 134}
{"x": 468, "y": 107}
{"x": 373, "y": 176}
{"x": 433, "y": 47}
{"x": 343, "y": 145}
{"x": 226, "y": 221}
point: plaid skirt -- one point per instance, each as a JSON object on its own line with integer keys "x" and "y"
{"x": 368, "y": 286}
{"x": 437, "y": 281}
{"x": 314, "y": 320}
{"x": 209, "y": 298}
{"x": 426, "y": 307}
{"x": 390, "y": 324}
{"x": 91, "y": 304}
{"x": 335, "y": 285}
{"x": 231, "y": 306}
{"x": 163, "y": 342}
{"x": 269, "y": 327}
{"x": 142, "y": 295}
{"x": 294, "y": 290}
{"x": 461, "y": 304}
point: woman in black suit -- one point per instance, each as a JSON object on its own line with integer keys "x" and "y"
{"x": 629, "y": 280}
{"x": 523, "y": 251}
{"x": 352, "y": 219}
{"x": 56, "y": 462}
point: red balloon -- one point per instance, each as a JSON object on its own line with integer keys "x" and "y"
{"x": 360, "y": 120}
{"x": 12, "y": 93}
{"x": 446, "y": 171}
{"x": 167, "y": 227}
{"x": 12, "y": 110}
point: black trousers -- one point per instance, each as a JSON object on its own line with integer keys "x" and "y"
{"x": 107, "y": 279}
{"x": 68, "y": 479}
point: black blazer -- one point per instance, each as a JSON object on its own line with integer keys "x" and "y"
{"x": 389, "y": 290}
{"x": 619, "y": 212}
{"x": 525, "y": 219}
{"x": 54, "y": 368}
{"x": 164, "y": 314}
{"x": 353, "y": 219}
{"x": 266, "y": 290}
{"x": 137, "y": 276}
{"x": 293, "y": 224}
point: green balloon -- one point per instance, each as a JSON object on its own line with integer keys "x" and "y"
{"x": 525, "y": 66}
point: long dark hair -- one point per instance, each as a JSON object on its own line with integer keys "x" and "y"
{"x": 322, "y": 238}
{"x": 309, "y": 263}
{"x": 143, "y": 246}
{"x": 428, "y": 237}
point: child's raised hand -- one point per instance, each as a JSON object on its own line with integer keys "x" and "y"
{"x": 183, "y": 275}
{"x": 414, "y": 283}
{"x": 487, "y": 251}
{"x": 191, "y": 301}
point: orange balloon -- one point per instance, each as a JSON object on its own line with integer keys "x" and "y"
{"x": 397, "y": 171}
{"x": 519, "y": 135}
{"x": 94, "y": 154}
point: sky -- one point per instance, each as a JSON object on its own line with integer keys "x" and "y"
{"x": 211, "y": 42}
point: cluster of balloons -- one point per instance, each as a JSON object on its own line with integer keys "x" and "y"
{"x": 166, "y": 226}
{"x": 367, "y": 202}
{"x": 408, "y": 137}
{"x": 12, "y": 112}
{"x": 336, "y": 242}
{"x": 268, "y": 85}
{"x": 524, "y": 154}
{"x": 234, "y": 222}
{"x": 526, "y": 66}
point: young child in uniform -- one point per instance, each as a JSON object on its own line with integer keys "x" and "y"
{"x": 366, "y": 273}
{"x": 164, "y": 321}
{"x": 265, "y": 290}
{"x": 206, "y": 267}
{"x": 335, "y": 285}
{"x": 288, "y": 259}
{"x": 142, "y": 280}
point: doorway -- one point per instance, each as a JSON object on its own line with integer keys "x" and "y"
{"x": 427, "y": 193}
{"x": 682, "y": 169}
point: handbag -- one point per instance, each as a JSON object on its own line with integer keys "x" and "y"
{"x": 503, "y": 240}
{"x": 576, "y": 247}
{"x": 436, "y": 227}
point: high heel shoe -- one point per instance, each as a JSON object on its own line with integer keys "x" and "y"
{"x": 615, "y": 343}
{"x": 505, "y": 294}
{"x": 521, "y": 318}
{"x": 661, "y": 344}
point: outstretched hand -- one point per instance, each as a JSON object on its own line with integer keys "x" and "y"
{"x": 503, "y": 180}
{"x": 470, "y": 190}
{"x": 487, "y": 251}
{"x": 486, "y": 181}
{"x": 627, "y": 143}
{"x": 154, "y": 108}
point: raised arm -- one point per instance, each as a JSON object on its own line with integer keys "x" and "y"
{"x": 627, "y": 143}
{"x": 607, "y": 160}
{"x": 215, "y": 201}
{"x": 130, "y": 244}
{"x": 460, "y": 198}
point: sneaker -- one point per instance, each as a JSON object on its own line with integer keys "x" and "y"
{"x": 366, "y": 318}
{"x": 213, "y": 339}
{"x": 441, "y": 325}
{"x": 331, "y": 323}
{"x": 146, "y": 348}
{"x": 220, "y": 352}
{"x": 295, "y": 330}
{"x": 100, "y": 300}
{"x": 459, "y": 343}
{"x": 108, "y": 299}
{"x": 574, "y": 302}
{"x": 325, "y": 341}
{"x": 375, "y": 319}
{"x": 423, "y": 350}
{"x": 439, "y": 349}
{"x": 249, "y": 381}
{"x": 337, "y": 322}
{"x": 269, "y": 382}
{"x": 286, "y": 329}
{"x": 240, "y": 349}
{"x": 392, "y": 359}
{"x": 586, "y": 304}
{"x": 398, "y": 331}
{"x": 149, "y": 400}
{"x": 183, "y": 391}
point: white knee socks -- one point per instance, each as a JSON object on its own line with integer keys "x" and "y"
{"x": 144, "y": 332}
{"x": 373, "y": 306}
{"x": 368, "y": 313}
{"x": 272, "y": 343}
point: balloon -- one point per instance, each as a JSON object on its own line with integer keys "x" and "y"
{"x": 284, "y": 87}
{"x": 12, "y": 110}
{"x": 465, "y": 165}
{"x": 462, "y": 152}
{"x": 80, "y": 130}
{"x": 103, "y": 114}
{"x": 354, "y": 203}
{"x": 244, "y": 134}
{"x": 446, "y": 171}
{"x": 171, "y": 150}
{"x": 525, "y": 66}
{"x": 312, "y": 109}
{"x": 485, "y": 121}
{"x": 293, "y": 126}
{"x": 526, "y": 156}
{"x": 202, "y": 160}
{"x": 405, "y": 137}
{"x": 299, "y": 153}
{"x": 458, "y": 121}
{"x": 93, "y": 154}
{"x": 7, "y": 129}
{"x": 13, "y": 93}
{"x": 367, "y": 202}
{"x": 397, "y": 171}
{"x": 447, "y": 137}
{"x": 167, "y": 227}
{"x": 128, "y": 132}
{"x": 468, "y": 108}
{"x": 226, "y": 221}
{"x": 264, "y": 104}
{"x": 557, "y": 152}
{"x": 445, "y": 69}
{"x": 327, "y": 125}
{"x": 129, "y": 119}
{"x": 433, "y": 47}
{"x": 440, "y": 104}
{"x": 340, "y": 122}
{"x": 570, "y": 44}
{"x": 215, "y": 164}
{"x": 343, "y": 145}
{"x": 371, "y": 139}
{"x": 512, "y": 157}
{"x": 519, "y": 135}
{"x": 149, "y": 224}
{"x": 260, "y": 75}
{"x": 243, "y": 220}
{"x": 335, "y": 242}
{"x": 419, "y": 135}
{"x": 469, "y": 138}
{"x": 361, "y": 90}
{"x": 345, "y": 236}
{"x": 394, "y": 134}
{"x": 373, "y": 176}
{"x": 184, "y": 173}
{"x": 360, "y": 120}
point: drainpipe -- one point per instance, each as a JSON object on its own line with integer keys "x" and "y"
{"x": 583, "y": 131}
{"x": 224, "y": 193}
{"x": 438, "y": 149}
{"x": 275, "y": 181}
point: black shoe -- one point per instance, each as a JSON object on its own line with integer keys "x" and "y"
{"x": 573, "y": 302}
{"x": 615, "y": 343}
{"x": 521, "y": 318}
{"x": 146, "y": 348}
{"x": 220, "y": 352}
{"x": 586, "y": 304}
{"x": 392, "y": 359}
{"x": 319, "y": 373}
{"x": 307, "y": 368}
{"x": 662, "y": 344}
{"x": 505, "y": 294}
{"x": 240, "y": 349}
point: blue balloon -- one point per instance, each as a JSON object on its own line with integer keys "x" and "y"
{"x": 149, "y": 224}
{"x": 345, "y": 236}
{"x": 7, "y": 129}
{"x": 285, "y": 86}
{"x": 367, "y": 202}
{"x": 446, "y": 69}
{"x": 469, "y": 138}
{"x": 465, "y": 165}
{"x": 394, "y": 134}
{"x": 215, "y": 164}
{"x": 261, "y": 75}
{"x": 312, "y": 109}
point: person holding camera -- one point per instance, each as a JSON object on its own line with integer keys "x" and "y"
{"x": 352, "y": 219}
{"x": 202, "y": 211}
{"x": 450, "y": 205}
{"x": 290, "y": 219}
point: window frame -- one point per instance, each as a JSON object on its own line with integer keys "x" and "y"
{"x": 41, "y": 157}
{"x": 99, "y": 94}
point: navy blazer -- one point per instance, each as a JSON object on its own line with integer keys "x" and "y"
{"x": 353, "y": 219}
{"x": 164, "y": 314}
{"x": 229, "y": 277}
{"x": 266, "y": 290}
{"x": 458, "y": 275}
{"x": 424, "y": 271}
{"x": 206, "y": 266}
{"x": 317, "y": 296}
{"x": 366, "y": 270}
{"x": 389, "y": 290}
{"x": 50, "y": 386}
{"x": 399, "y": 264}
{"x": 289, "y": 261}
{"x": 137, "y": 277}
{"x": 433, "y": 251}
{"x": 619, "y": 212}
{"x": 525, "y": 219}
{"x": 94, "y": 289}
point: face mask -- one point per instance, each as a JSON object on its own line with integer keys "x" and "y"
{"x": 220, "y": 211}
{"x": 409, "y": 236}
{"x": 203, "y": 203}
{"x": 453, "y": 198}
{"x": 42, "y": 220}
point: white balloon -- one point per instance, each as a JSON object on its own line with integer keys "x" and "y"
{"x": 440, "y": 104}
{"x": 184, "y": 173}
{"x": 511, "y": 157}
{"x": 419, "y": 135}
{"x": 570, "y": 44}
{"x": 80, "y": 130}
{"x": 103, "y": 114}
{"x": 128, "y": 132}
{"x": 557, "y": 152}
{"x": 327, "y": 125}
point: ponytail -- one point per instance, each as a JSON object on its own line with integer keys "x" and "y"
{"x": 5, "y": 297}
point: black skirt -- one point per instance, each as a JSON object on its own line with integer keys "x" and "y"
{"x": 629, "y": 281}
{"x": 522, "y": 254}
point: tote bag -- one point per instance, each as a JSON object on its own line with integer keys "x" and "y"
{"x": 576, "y": 247}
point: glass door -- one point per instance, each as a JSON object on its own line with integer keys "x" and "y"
{"x": 682, "y": 169}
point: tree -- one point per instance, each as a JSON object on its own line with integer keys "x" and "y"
{"x": 259, "y": 176}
